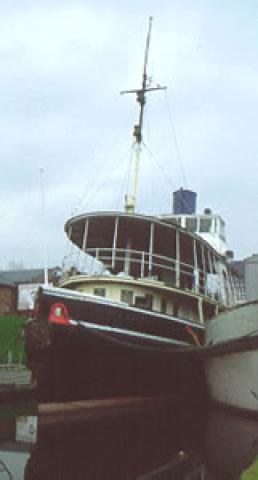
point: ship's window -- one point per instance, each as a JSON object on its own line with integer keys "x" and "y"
{"x": 191, "y": 224}
{"x": 144, "y": 302}
{"x": 101, "y": 292}
{"x": 163, "y": 305}
{"x": 205, "y": 225}
{"x": 222, "y": 230}
{"x": 127, "y": 296}
{"x": 149, "y": 300}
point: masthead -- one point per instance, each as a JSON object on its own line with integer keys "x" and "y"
{"x": 130, "y": 198}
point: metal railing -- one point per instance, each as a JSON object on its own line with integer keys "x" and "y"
{"x": 140, "y": 264}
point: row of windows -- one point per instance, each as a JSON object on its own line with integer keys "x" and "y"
{"x": 204, "y": 225}
{"x": 101, "y": 292}
{"x": 127, "y": 296}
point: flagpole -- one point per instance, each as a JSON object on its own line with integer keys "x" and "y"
{"x": 43, "y": 216}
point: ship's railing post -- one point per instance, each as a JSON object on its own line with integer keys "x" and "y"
{"x": 171, "y": 271}
{"x": 114, "y": 242}
{"x": 127, "y": 259}
{"x": 211, "y": 272}
{"x": 204, "y": 270}
{"x": 151, "y": 240}
{"x": 196, "y": 270}
{"x": 85, "y": 235}
{"x": 142, "y": 264}
{"x": 200, "y": 310}
{"x": 177, "y": 259}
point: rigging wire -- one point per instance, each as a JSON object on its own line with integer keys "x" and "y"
{"x": 95, "y": 186}
{"x": 111, "y": 163}
{"x": 174, "y": 135}
{"x": 71, "y": 249}
{"x": 165, "y": 174}
{"x": 152, "y": 183}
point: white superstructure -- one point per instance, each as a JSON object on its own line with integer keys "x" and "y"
{"x": 209, "y": 226}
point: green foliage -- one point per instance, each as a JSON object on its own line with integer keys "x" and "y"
{"x": 251, "y": 473}
{"x": 11, "y": 338}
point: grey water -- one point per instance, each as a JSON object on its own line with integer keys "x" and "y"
{"x": 176, "y": 442}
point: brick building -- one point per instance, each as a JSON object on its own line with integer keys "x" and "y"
{"x": 8, "y": 296}
{"x": 16, "y": 287}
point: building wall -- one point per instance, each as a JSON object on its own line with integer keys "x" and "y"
{"x": 251, "y": 277}
{"x": 8, "y": 298}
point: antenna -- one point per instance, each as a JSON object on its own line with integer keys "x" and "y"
{"x": 44, "y": 251}
{"x": 130, "y": 198}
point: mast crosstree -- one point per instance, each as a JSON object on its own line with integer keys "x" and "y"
{"x": 130, "y": 198}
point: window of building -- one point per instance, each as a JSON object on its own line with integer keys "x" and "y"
{"x": 175, "y": 308}
{"x": 215, "y": 226}
{"x": 127, "y": 296}
{"x": 149, "y": 301}
{"x": 101, "y": 292}
{"x": 205, "y": 225}
{"x": 178, "y": 220}
{"x": 191, "y": 224}
{"x": 144, "y": 302}
{"x": 163, "y": 305}
{"x": 222, "y": 230}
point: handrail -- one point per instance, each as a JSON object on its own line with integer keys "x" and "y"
{"x": 89, "y": 251}
{"x": 211, "y": 284}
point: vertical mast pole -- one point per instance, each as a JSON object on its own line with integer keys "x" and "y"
{"x": 130, "y": 198}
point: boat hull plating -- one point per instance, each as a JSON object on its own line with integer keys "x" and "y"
{"x": 232, "y": 380}
{"x": 86, "y": 360}
{"x": 231, "y": 358}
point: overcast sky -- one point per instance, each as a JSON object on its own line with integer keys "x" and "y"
{"x": 62, "y": 66}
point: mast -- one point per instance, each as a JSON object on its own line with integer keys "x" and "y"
{"x": 130, "y": 198}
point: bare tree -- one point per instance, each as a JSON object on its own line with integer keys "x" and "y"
{"x": 15, "y": 265}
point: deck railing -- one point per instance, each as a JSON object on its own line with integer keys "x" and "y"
{"x": 139, "y": 264}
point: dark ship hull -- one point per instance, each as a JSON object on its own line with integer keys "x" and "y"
{"x": 97, "y": 348}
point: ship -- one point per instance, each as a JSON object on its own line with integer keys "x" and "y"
{"x": 230, "y": 358}
{"x": 230, "y": 351}
{"x": 130, "y": 326}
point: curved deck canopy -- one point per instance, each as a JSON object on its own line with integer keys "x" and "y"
{"x": 145, "y": 246}
{"x": 111, "y": 230}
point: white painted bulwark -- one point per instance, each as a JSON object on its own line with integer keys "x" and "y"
{"x": 251, "y": 277}
{"x": 231, "y": 357}
{"x": 234, "y": 323}
{"x": 233, "y": 381}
